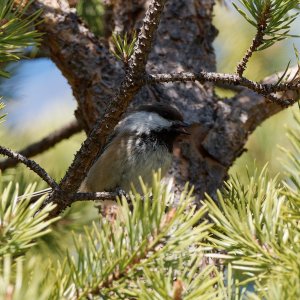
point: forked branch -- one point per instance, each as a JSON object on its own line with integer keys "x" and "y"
{"x": 36, "y": 168}
{"x": 96, "y": 140}
{"x": 266, "y": 89}
{"x": 134, "y": 79}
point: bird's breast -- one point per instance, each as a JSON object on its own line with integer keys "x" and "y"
{"x": 124, "y": 160}
{"x": 143, "y": 156}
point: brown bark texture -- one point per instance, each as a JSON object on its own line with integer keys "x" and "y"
{"x": 183, "y": 43}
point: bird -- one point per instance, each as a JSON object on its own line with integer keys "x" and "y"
{"x": 142, "y": 142}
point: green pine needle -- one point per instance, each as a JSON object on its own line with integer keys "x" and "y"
{"x": 16, "y": 32}
{"x": 257, "y": 230}
{"x": 117, "y": 259}
{"x": 21, "y": 222}
{"x": 276, "y": 16}
{"x": 123, "y": 46}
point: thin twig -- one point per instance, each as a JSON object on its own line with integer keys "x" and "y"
{"x": 44, "y": 144}
{"x": 266, "y": 90}
{"x": 257, "y": 41}
{"x": 96, "y": 140}
{"x": 97, "y": 196}
{"x": 31, "y": 165}
{"x": 94, "y": 196}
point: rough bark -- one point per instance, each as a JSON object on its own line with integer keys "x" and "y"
{"x": 123, "y": 16}
{"x": 86, "y": 63}
{"x": 95, "y": 142}
{"x": 183, "y": 43}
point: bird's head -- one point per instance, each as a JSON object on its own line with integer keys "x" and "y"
{"x": 160, "y": 120}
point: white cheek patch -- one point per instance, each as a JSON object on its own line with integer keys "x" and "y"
{"x": 142, "y": 122}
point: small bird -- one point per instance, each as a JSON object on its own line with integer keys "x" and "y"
{"x": 140, "y": 143}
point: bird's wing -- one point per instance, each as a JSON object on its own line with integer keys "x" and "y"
{"x": 106, "y": 172}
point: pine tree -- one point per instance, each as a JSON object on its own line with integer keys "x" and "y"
{"x": 156, "y": 247}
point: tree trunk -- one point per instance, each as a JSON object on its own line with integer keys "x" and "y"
{"x": 184, "y": 43}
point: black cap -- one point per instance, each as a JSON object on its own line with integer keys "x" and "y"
{"x": 166, "y": 111}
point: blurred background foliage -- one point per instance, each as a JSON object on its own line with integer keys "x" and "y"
{"x": 92, "y": 11}
{"x": 39, "y": 100}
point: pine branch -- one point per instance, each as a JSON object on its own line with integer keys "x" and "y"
{"x": 59, "y": 20}
{"x": 80, "y": 196}
{"x": 154, "y": 244}
{"x": 272, "y": 20}
{"x": 112, "y": 258}
{"x": 255, "y": 227}
{"x": 31, "y": 165}
{"x": 104, "y": 126}
{"x": 19, "y": 229}
{"x": 258, "y": 39}
{"x": 16, "y": 31}
{"x": 44, "y": 144}
{"x": 264, "y": 89}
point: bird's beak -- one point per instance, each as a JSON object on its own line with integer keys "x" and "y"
{"x": 180, "y": 127}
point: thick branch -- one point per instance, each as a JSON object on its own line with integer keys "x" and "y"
{"x": 82, "y": 58}
{"x": 236, "y": 119}
{"x": 31, "y": 165}
{"x": 129, "y": 87}
{"x": 44, "y": 144}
